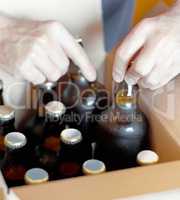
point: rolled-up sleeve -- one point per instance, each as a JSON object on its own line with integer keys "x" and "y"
{"x": 117, "y": 18}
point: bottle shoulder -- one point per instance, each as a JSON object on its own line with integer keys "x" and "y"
{"x": 114, "y": 119}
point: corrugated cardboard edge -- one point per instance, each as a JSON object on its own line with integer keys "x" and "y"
{"x": 122, "y": 183}
{"x": 108, "y": 186}
{"x": 167, "y": 195}
{"x": 164, "y": 138}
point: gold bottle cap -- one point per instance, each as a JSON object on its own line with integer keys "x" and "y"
{"x": 6, "y": 113}
{"x": 71, "y": 136}
{"x": 147, "y": 157}
{"x": 55, "y": 108}
{"x": 36, "y": 176}
{"x": 15, "y": 140}
{"x": 92, "y": 167}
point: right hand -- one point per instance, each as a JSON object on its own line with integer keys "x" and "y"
{"x": 38, "y": 51}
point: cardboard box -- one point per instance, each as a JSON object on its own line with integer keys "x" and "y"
{"x": 163, "y": 110}
{"x": 165, "y": 138}
{"x": 109, "y": 186}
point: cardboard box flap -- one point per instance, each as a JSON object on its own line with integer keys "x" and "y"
{"x": 167, "y": 195}
{"x": 164, "y": 103}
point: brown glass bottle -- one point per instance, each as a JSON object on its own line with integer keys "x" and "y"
{"x": 73, "y": 153}
{"x": 36, "y": 176}
{"x": 15, "y": 162}
{"x": 54, "y": 124}
{"x": 122, "y": 130}
{"x": 87, "y": 100}
{"x": 47, "y": 92}
{"x": 7, "y": 118}
{"x": 34, "y": 126}
{"x": 47, "y": 151}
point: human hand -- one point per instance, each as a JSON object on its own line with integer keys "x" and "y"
{"x": 152, "y": 50}
{"x": 38, "y": 51}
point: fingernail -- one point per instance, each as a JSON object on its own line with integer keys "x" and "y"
{"x": 91, "y": 76}
{"x": 117, "y": 77}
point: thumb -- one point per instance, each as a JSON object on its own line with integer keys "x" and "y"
{"x": 13, "y": 89}
{"x": 133, "y": 42}
{"x": 73, "y": 50}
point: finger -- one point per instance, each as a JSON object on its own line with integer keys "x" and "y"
{"x": 41, "y": 60}
{"x": 31, "y": 73}
{"x": 73, "y": 50}
{"x": 159, "y": 77}
{"x": 162, "y": 68}
{"x": 5, "y": 76}
{"x": 56, "y": 54}
{"x": 129, "y": 47}
{"x": 143, "y": 64}
{"x": 165, "y": 81}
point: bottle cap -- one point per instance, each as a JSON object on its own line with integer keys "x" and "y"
{"x": 147, "y": 157}
{"x": 6, "y": 113}
{"x": 36, "y": 176}
{"x": 71, "y": 136}
{"x": 55, "y": 108}
{"x": 92, "y": 167}
{"x": 15, "y": 140}
{"x": 47, "y": 85}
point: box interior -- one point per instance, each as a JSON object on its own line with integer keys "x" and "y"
{"x": 165, "y": 140}
{"x": 128, "y": 182}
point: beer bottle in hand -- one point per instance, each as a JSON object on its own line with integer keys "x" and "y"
{"x": 122, "y": 130}
{"x": 15, "y": 162}
{"x": 84, "y": 99}
{"x": 72, "y": 154}
{"x": 36, "y": 176}
{"x": 7, "y": 118}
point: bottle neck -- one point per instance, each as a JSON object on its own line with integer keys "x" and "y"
{"x": 11, "y": 156}
{"x": 6, "y": 127}
{"x": 40, "y": 111}
{"x": 45, "y": 94}
{"x": 126, "y": 97}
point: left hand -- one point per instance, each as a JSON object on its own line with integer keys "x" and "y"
{"x": 154, "y": 47}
